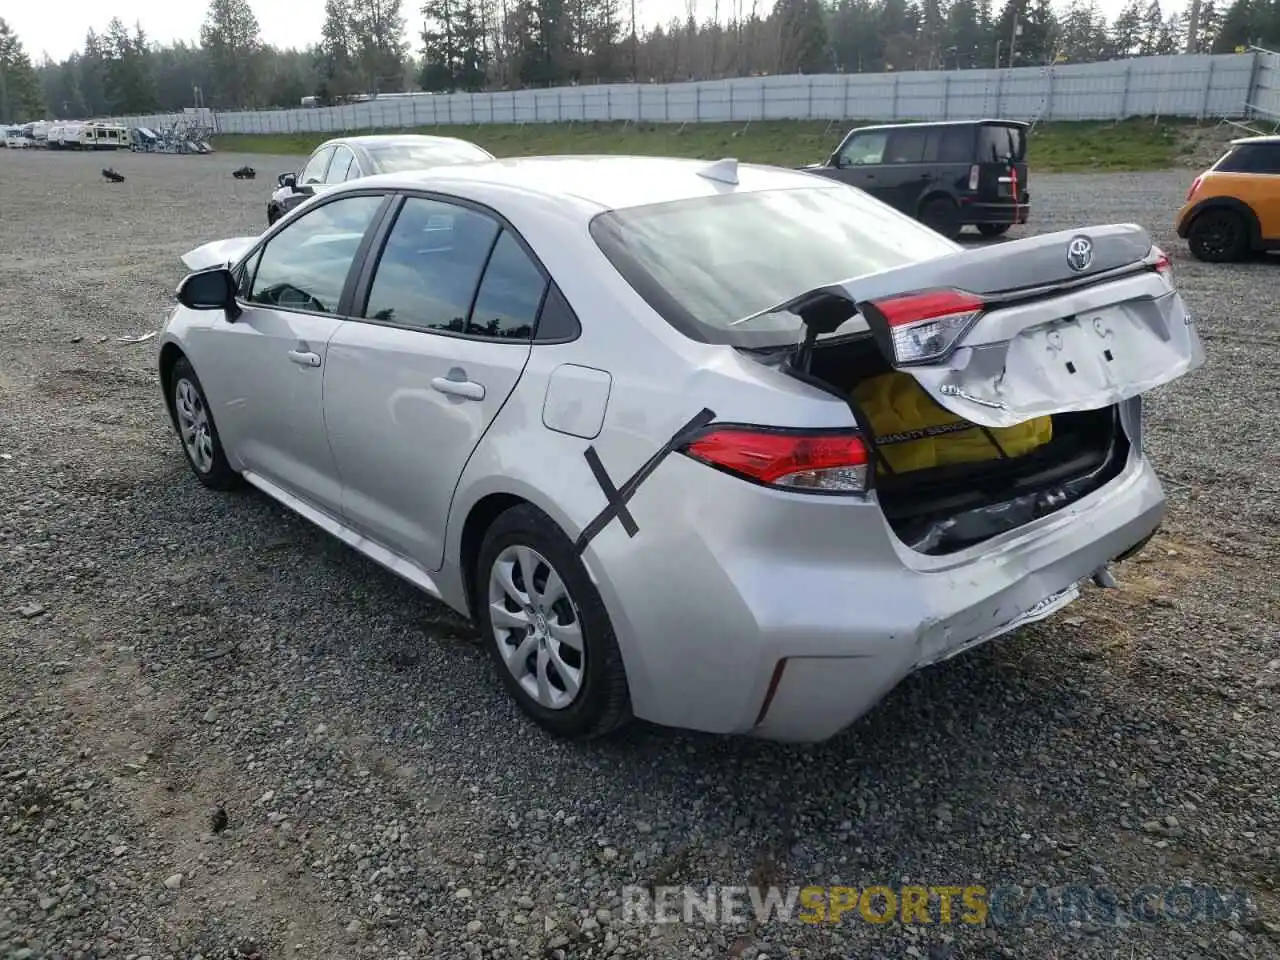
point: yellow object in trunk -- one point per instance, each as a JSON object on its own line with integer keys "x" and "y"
{"x": 913, "y": 432}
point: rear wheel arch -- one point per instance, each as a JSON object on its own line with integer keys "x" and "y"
{"x": 480, "y": 518}
{"x": 1234, "y": 205}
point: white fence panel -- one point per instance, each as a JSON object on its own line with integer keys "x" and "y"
{"x": 1186, "y": 85}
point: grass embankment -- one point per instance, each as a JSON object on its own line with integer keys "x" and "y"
{"x": 1077, "y": 146}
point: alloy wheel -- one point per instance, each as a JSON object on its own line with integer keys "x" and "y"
{"x": 536, "y": 627}
{"x": 193, "y": 424}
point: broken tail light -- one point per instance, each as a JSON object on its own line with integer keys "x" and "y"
{"x": 974, "y": 172}
{"x": 925, "y": 326}
{"x": 821, "y": 461}
{"x": 1159, "y": 261}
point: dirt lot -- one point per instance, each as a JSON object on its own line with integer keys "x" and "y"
{"x": 169, "y": 652}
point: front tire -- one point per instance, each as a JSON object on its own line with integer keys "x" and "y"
{"x": 197, "y": 431}
{"x": 1218, "y": 236}
{"x": 547, "y": 628}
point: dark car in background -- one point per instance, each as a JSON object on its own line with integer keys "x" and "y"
{"x": 948, "y": 175}
{"x": 349, "y": 158}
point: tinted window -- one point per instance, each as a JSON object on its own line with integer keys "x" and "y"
{"x": 1251, "y": 158}
{"x": 394, "y": 157}
{"x": 863, "y": 148}
{"x": 427, "y": 274}
{"x": 338, "y": 167}
{"x": 510, "y": 293}
{"x": 313, "y": 172}
{"x": 705, "y": 263}
{"x": 999, "y": 144}
{"x": 949, "y": 145}
{"x": 906, "y": 146}
{"x": 305, "y": 265}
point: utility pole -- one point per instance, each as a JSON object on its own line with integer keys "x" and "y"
{"x": 1013, "y": 36}
{"x": 1193, "y": 26}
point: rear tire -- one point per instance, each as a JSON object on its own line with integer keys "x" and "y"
{"x": 1218, "y": 236}
{"x": 534, "y": 601}
{"x": 994, "y": 229}
{"x": 942, "y": 215}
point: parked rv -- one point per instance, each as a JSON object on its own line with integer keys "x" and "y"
{"x": 88, "y": 135}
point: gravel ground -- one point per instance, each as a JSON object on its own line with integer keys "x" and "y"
{"x": 172, "y": 655}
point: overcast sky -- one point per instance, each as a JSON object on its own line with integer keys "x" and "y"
{"x": 43, "y": 26}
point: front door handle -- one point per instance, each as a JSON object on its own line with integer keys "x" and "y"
{"x": 467, "y": 389}
{"x": 304, "y": 358}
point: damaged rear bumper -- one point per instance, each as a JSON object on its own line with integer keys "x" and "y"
{"x": 815, "y": 612}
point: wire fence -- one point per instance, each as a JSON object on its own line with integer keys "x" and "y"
{"x": 1188, "y": 85}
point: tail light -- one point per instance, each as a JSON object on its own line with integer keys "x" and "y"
{"x": 1195, "y": 185}
{"x": 973, "y": 177}
{"x": 805, "y": 460}
{"x": 1160, "y": 262}
{"x": 925, "y": 326}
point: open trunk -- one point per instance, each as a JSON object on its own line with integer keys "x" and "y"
{"x": 1066, "y": 326}
{"x": 945, "y": 508}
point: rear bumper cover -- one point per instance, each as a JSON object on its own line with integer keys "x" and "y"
{"x": 1004, "y": 212}
{"x": 742, "y": 579}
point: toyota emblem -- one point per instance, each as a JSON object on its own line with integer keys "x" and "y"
{"x": 1079, "y": 253}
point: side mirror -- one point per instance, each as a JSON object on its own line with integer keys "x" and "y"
{"x": 287, "y": 179}
{"x": 213, "y": 289}
{"x": 305, "y": 189}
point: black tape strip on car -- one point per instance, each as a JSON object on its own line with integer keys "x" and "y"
{"x": 617, "y": 497}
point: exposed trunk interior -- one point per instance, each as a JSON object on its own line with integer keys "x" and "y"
{"x": 943, "y": 509}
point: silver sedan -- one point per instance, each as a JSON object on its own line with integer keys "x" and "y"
{"x": 608, "y": 407}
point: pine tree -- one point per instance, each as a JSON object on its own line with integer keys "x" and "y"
{"x": 20, "y": 97}
{"x": 233, "y": 43}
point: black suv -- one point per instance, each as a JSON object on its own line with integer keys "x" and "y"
{"x": 948, "y": 175}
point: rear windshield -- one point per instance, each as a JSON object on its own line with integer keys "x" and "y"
{"x": 398, "y": 158}
{"x": 1000, "y": 144}
{"x": 706, "y": 262}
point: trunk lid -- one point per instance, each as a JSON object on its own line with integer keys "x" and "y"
{"x": 1057, "y": 323}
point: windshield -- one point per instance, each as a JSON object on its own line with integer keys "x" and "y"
{"x": 705, "y": 263}
{"x": 401, "y": 157}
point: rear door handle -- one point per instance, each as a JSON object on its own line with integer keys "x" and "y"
{"x": 467, "y": 389}
{"x": 304, "y": 358}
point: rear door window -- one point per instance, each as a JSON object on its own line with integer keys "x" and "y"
{"x": 1000, "y": 144}
{"x": 430, "y": 268}
{"x": 338, "y": 167}
{"x": 906, "y": 146}
{"x": 949, "y": 145}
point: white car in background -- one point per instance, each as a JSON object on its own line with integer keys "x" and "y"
{"x": 603, "y": 406}
{"x": 349, "y": 158}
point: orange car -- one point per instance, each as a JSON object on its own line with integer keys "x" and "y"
{"x": 1233, "y": 208}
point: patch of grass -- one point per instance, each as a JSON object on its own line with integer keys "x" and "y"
{"x": 1130, "y": 145}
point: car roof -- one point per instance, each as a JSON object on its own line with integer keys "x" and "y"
{"x": 945, "y": 123}
{"x": 385, "y": 139}
{"x": 605, "y": 182}
{"x": 1270, "y": 138}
